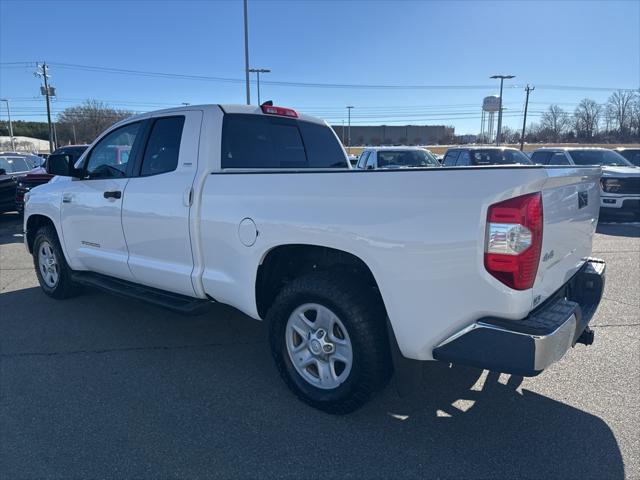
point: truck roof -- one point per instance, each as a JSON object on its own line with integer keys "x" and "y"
{"x": 396, "y": 147}
{"x": 226, "y": 108}
{"x": 481, "y": 147}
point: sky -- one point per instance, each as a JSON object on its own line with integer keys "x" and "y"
{"x": 323, "y": 55}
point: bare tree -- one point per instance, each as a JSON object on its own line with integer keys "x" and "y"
{"x": 620, "y": 106}
{"x": 555, "y": 122}
{"x": 586, "y": 118}
{"x": 83, "y": 123}
{"x": 635, "y": 116}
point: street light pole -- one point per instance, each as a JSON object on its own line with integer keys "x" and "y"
{"x": 349, "y": 107}
{"x": 258, "y": 71}
{"x": 502, "y": 78}
{"x": 13, "y": 145}
{"x": 246, "y": 52}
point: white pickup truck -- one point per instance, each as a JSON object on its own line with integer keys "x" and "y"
{"x": 257, "y": 207}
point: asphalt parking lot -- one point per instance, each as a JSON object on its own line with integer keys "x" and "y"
{"x": 102, "y": 387}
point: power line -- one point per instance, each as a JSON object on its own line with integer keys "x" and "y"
{"x": 144, "y": 73}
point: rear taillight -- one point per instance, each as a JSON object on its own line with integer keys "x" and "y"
{"x": 514, "y": 240}
{"x": 285, "y": 112}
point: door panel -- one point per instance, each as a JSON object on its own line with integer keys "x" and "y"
{"x": 91, "y": 226}
{"x": 92, "y": 205}
{"x": 155, "y": 214}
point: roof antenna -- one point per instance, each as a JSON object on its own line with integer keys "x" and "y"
{"x": 268, "y": 103}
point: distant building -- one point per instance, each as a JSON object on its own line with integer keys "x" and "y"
{"x": 395, "y": 134}
{"x": 24, "y": 144}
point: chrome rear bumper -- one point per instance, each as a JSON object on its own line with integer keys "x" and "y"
{"x": 528, "y": 346}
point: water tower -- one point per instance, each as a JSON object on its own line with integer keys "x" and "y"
{"x": 490, "y": 105}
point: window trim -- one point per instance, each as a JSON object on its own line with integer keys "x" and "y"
{"x": 135, "y": 148}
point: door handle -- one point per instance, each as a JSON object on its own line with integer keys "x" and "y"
{"x": 113, "y": 194}
{"x": 66, "y": 198}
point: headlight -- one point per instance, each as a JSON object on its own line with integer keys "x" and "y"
{"x": 610, "y": 185}
{"x": 26, "y": 197}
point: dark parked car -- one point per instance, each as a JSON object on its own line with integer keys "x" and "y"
{"x": 41, "y": 176}
{"x": 474, "y": 156}
{"x": 631, "y": 154}
{"x": 12, "y": 168}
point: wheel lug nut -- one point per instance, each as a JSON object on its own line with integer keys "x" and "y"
{"x": 320, "y": 333}
{"x": 327, "y": 348}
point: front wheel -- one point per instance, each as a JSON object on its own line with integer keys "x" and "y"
{"x": 328, "y": 339}
{"x": 54, "y": 275}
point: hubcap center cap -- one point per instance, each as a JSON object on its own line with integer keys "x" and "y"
{"x": 315, "y": 346}
{"x": 318, "y": 343}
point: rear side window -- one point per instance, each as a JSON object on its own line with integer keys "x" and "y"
{"x": 450, "y": 158}
{"x": 163, "y": 146}
{"x": 260, "y": 141}
{"x": 322, "y": 147}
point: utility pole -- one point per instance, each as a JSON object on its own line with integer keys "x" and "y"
{"x": 246, "y": 52}
{"x": 258, "y": 71}
{"x": 502, "y": 79}
{"x": 75, "y": 139}
{"x": 349, "y": 130}
{"x": 43, "y": 71}
{"x": 528, "y": 89}
{"x": 13, "y": 145}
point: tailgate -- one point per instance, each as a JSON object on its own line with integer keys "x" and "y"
{"x": 571, "y": 203}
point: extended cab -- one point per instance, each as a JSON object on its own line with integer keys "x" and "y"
{"x": 256, "y": 207}
{"x": 620, "y": 181}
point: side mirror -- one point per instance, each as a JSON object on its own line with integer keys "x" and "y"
{"x": 61, "y": 165}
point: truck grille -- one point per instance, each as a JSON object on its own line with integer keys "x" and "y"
{"x": 628, "y": 186}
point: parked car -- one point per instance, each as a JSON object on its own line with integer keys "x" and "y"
{"x": 373, "y": 158}
{"x": 245, "y": 206}
{"x": 13, "y": 168}
{"x": 631, "y": 154}
{"x": 484, "y": 155}
{"x": 620, "y": 181}
{"x": 39, "y": 175}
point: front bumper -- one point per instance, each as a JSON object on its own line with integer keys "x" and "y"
{"x": 627, "y": 203}
{"x": 526, "y": 347}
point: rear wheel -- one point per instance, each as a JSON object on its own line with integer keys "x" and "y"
{"x": 328, "y": 339}
{"x": 54, "y": 275}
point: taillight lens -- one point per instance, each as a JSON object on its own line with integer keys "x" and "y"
{"x": 282, "y": 111}
{"x": 514, "y": 240}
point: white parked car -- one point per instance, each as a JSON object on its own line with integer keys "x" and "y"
{"x": 256, "y": 207}
{"x": 620, "y": 181}
{"x": 373, "y": 158}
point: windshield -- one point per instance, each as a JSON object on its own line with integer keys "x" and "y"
{"x": 598, "y": 157}
{"x": 15, "y": 164}
{"x": 632, "y": 156}
{"x": 499, "y": 157}
{"x": 406, "y": 158}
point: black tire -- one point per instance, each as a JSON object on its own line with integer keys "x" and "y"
{"x": 65, "y": 287}
{"x": 361, "y": 311}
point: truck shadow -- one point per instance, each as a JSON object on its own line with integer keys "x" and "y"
{"x": 619, "y": 229}
{"x": 99, "y": 378}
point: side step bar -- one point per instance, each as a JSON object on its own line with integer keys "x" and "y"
{"x": 171, "y": 301}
